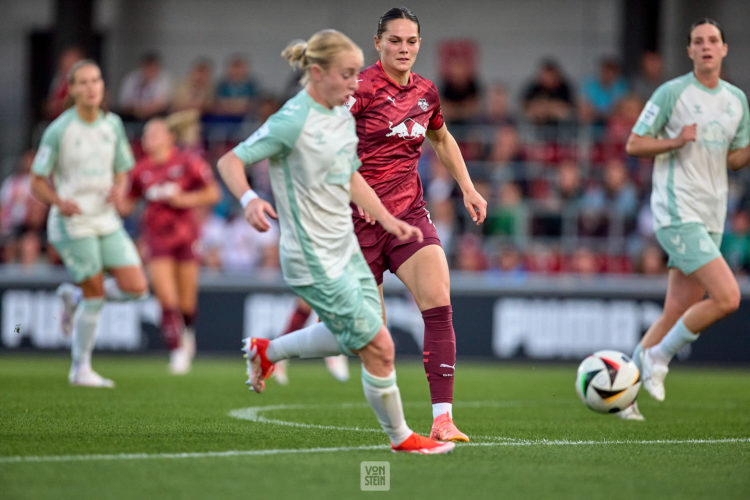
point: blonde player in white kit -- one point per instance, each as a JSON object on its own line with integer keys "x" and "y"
{"x": 312, "y": 146}
{"x": 87, "y": 151}
{"x": 695, "y": 125}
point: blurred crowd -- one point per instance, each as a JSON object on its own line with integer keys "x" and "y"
{"x": 563, "y": 196}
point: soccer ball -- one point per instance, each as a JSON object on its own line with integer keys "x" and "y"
{"x": 607, "y": 381}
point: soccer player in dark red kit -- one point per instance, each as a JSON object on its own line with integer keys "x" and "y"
{"x": 172, "y": 182}
{"x": 395, "y": 109}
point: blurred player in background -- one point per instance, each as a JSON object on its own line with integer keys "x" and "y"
{"x": 88, "y": 154}
{"x": 695, "y": 126}
{"x": 172, "y": 182}
{"x": 395, "y": 110}
{"x": 312, "y": 145}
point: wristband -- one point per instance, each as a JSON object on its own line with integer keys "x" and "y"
{"x": 249, "y": 196}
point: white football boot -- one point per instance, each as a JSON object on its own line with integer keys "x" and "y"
{"x": 338, "y": 366}
{"x": 655, "y": 370}
{"x": 86, "y": 377}
{"x": 631, "y": 412}
{"x": 280, "y": 373}
{"x": 179, "y": 361}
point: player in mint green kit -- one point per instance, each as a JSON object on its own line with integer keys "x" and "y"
{"x": 695, "y": 126}
{"x": 312, "y": 146}
{"x": 86, "y": 150}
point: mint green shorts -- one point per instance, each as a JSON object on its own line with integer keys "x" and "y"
{"x": 689, "y": 246}
{"x": 89, "y": 256}
{"x": 348, "y": 305}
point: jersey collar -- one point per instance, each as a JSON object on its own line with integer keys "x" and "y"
{"x": 394, "y": 82}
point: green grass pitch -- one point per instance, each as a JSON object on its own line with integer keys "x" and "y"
{"x": 157, "y": 436}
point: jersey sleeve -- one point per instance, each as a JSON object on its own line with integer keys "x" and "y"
{"x": 46, "y": 156}
{"x": 362, "y": 97}
{"x": 742, "y": 136}
{"x": 275, "y": 137}
{"x": 200, "y": 172}
{"x": 656, "y": 112}
{"x": 436, "y": 120}
{"x": 136, "y": 186}
{"x": 124, "y": 160}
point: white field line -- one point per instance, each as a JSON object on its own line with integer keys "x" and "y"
{"x": 282, "y": 451}
{"x": 254, "y": 414}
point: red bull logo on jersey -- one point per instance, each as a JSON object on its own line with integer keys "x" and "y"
{"x": 407, "y": 129}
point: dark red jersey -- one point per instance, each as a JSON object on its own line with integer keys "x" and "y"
{"x": 391, "y": 124}
{"x": 157, "y": 182}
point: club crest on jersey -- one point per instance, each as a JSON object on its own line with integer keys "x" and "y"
{"x": 175, "y": 171}
{"x": 407, "y": 129}
{"x": 422, "y": 103}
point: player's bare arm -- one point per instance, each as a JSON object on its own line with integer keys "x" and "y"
{"x": 739, "y": 158}
{"x": 645, "y": 146}
{"x": 364, "y": 196}
{"x": 232, "y": 172}
{"x": 210, "y": 194}
{"x": 449, "y": 154}
{"x": 118, "y": 196}
{"x": 45, "y": 193}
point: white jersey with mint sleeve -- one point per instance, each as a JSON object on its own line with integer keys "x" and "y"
{"x": 83, "y": 157}
{"x": 313, "y": 154}
{"x": 690, "y": 184}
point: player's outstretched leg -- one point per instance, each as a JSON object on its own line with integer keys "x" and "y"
{"x": 70, "y": 295}
{"x": 656, "y": 359}
{"x": 440, "y": 363}
{"x": 381, "y": 391}
{"x": 632, "y": 412}
{"x": 84, "y": 335}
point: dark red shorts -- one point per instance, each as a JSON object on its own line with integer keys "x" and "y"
{"x": 179, "y": 249}
{"x": 384, "y": 251}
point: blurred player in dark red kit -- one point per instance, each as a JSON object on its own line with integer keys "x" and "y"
{"x": 395, "y": 110}
{"x": 172, "y": 182}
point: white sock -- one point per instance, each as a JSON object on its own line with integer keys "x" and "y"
{"x": 440, "y": 409}
{"x": 385, "y": 400}
{"x": 113, "y": 293}
{"x": 84, "y": 331}
{"x": 673, "y": 341}
{"x": 314, "y": 341}
{"x": 637, "y": 355}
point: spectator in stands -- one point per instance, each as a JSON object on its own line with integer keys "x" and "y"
{"x": 237, "y": 93}
{"x": 735, "y": 245}
{"x": 244, "y": 247}
{"x": 548, "y": 98}
{"x": 619, "y": 125}
{"x": 616, "y": 199}
{"x": 469, "y": 254}
{"x": 583, "y": 262}
{"x": 58, "y": 89}
{"x": 196, "y": 90}
{"x": 651, "y": 261}
{"x": 651, "y": 75}
{"x": 507, "y": 262}
{"x": 22, "y": 216}
{"x": 460, "y": 90}
{"x": 508, "y": 215}
{"x": 145, "y": 92}
{"x": 600, "y": 94}
{"x": 498, "y": 108}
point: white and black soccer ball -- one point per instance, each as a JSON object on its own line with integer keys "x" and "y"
{"x": 607, "y": 381}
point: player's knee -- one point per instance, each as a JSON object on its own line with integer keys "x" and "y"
{"x": 383, "y": 344}
{"x": 729, "y": 303}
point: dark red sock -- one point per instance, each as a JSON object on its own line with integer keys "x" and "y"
{"x": 439, "y": 352}
{"x": 298, "y": 320}
{"x": 188, "y": 319}
{"x": 171, "y": 327}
